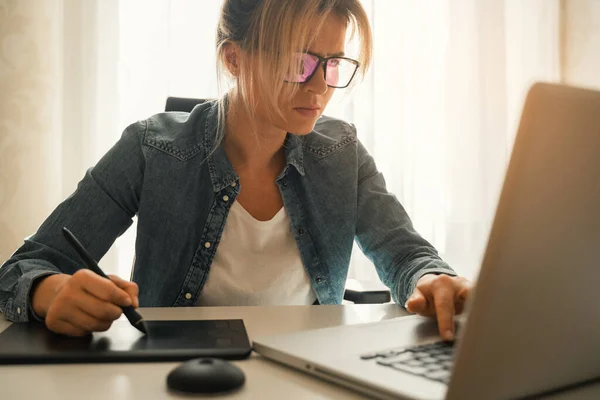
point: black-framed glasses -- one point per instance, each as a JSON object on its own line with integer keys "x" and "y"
{"x": 338, "y": 71}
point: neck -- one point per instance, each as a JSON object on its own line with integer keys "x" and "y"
{"x": 251, "y": 144}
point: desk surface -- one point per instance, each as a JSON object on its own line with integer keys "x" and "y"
{"x": 264, "y": 379}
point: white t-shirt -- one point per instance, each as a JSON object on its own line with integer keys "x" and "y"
{"x": 257, "y": 263}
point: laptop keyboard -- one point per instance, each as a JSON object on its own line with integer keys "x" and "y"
{"x": 433, "y": 360}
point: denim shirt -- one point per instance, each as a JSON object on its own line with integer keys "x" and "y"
{"x": 164, "y": 170}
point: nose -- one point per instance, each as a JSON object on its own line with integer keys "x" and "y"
{"x": 317, "y": 83}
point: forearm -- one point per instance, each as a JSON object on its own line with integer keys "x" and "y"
{"x": 386, "y": 235}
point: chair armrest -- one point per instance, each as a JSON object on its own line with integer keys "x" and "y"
{"x": 366, "y": 292}
{"x": 182, "y": 104}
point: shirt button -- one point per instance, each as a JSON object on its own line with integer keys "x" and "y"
{"x": 207, "y": 245}
{"x": 284, "y": 184}
{"x": 233, "y": 184}
{"x": 19, "y": 310}
{"x": 301, "y": 231}
{"x": 319, "y": 279}
{"x": 225, "y": 198}
{"x": 188, "y": 296}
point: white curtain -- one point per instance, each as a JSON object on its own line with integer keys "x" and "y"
{"x": 441, "y": 106}
{"x": 28, "y": 118}
{"x": 438, "y": 109}
{"x": 59, "y": 106}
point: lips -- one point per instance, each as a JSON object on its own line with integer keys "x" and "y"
{"x": 315, "y": 107}
{"x": 309, "y": 112}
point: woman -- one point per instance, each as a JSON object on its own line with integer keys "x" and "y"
{"x": 257, "y": 188}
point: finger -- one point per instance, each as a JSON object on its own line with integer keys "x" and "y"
{"x": 82, "y": 320}
{"x": 461, "y": 297}
{"x": 417, "y": 302}
{"x": 102, "y": 288}
{"x": 99, "y": 309}
{"x": 463, "y": 293}
{"x": 130, "y": 287}
{"x": 459, "y": 307}
{"x": 443, "y": 298}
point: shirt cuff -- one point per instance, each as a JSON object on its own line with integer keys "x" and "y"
{"x": 420, "y": 274}
{"x": 20, "y": 309}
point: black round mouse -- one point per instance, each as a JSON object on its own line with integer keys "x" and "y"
{"x": 205, "y": 375}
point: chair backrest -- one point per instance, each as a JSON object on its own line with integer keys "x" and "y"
{"x": 182, "y": 103}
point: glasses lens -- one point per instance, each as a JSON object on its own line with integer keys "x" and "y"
{"x": 302, "y": 68}
{"x": 340, "y": 72}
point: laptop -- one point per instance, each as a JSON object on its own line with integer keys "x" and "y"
{"x": 533, "y": 320}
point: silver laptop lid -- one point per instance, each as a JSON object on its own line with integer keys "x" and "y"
{"x": 535, "y": 323}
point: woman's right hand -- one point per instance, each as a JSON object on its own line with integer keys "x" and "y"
{"x": 81, "y": 303}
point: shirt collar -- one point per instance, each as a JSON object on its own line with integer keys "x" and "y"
{"x": 222, "y": 173}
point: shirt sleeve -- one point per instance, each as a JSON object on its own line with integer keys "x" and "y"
{"x": 98, "y": 212}
{"x": 385, "y": 233}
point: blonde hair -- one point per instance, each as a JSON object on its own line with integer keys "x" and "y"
{"x": 269, "y": 32}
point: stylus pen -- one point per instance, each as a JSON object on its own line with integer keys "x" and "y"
{"x": 136, "y": 319}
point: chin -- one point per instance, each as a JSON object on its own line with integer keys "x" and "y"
{"x": 302, "y": 127}
{"x": 301, "y": 132}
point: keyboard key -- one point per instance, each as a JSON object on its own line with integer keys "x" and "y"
{"x": 434, "y": 367}
{"x": 409, "y": 369}
{"x": 413, "y": 363}
{"x": 390, "y": 353}
{"x": 403, "y": 357}
{"x": 369, "y": 356}
{"x": 438, "y": 375}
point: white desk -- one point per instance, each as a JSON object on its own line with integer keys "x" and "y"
{"x": 264, "y": 379}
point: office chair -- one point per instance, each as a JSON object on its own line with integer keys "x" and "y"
{"x": 358, "y": 292}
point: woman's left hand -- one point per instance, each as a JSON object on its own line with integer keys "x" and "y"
{"x": 440, "y": 297}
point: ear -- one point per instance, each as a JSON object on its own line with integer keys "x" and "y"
{"x": 232, "y": 58}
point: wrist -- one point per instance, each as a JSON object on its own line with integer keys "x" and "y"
{"x": 44, "y": 291}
